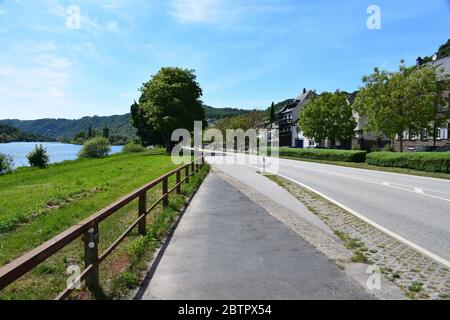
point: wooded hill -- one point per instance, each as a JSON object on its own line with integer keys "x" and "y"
{"x": 11, "y": 134}
{"x": 119, "y": 125}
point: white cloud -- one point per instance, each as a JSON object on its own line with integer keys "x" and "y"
{"x": 108, "y": 4}
{"x": 222, "y": 12}
{"x": 202, "y": 11}
{"x": 33, "y": 76}
{"x": 112, "y": 26}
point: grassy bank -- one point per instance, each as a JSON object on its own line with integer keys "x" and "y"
{"x": 38, "y": 204}
{"x": 82, "y": 185}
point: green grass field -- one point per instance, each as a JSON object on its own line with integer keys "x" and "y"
{"x": 36, "y": 205}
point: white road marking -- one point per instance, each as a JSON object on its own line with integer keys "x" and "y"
{"x": 383, "y": 183}
{"x": 418, "y": 190}
{"x": 372, "y": 223}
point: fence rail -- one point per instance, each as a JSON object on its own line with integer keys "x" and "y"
{"x": 88, "y": 229}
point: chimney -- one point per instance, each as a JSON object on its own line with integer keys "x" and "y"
{"x": 419, "y": 61}
{"x": 304, "y": 90}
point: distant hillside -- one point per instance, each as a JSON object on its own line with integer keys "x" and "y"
{"x": 119, "y": 125}
{"x": 11, "y": 134}
{"x": 66, "y": 129}
{"x": 220, "y": 113}
{"x": 443, "y": 51}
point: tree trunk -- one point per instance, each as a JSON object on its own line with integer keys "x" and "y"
{"x": 401, "y": 142}
{"x": 333, "y": 143}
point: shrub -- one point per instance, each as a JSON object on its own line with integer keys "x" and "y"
{"x": 325, "y": 154}
{"x": 133, "y": 147}
{"x": 5, "y": 163}
{"x": 423, "y": 161}
{"x": 38, "y": 157}
{"x": 95, "y": 148}
{"x": 388, "y": 148}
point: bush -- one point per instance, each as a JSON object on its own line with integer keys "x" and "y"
{"x": 38, "y": 157}
{"x": 95, "y": 148}
{"x": 133, "y": 147}
{"x": 5, "y": 163}
{"x": 388, "y": 148}
{"x": 423, "y": 161}
{"x": 325, "y": 154}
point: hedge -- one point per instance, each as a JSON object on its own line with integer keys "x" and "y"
{"x": 424, "y": 161}
{"x": 325, "y": 154}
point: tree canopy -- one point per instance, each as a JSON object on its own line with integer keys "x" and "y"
{"x": 410, "y": 99}
{"x": 328, "y": 116}
{"x": 170, "y": 100}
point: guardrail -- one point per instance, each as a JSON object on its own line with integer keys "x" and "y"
{"x": 88, "y": 229}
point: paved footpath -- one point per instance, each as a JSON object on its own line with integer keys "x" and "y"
{"x": 228, "y": 247}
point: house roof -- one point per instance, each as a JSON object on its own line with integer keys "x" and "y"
{"x": 299, "y": 100}
{"x": 443, "y": 63}
{"x": 287, "y": 108}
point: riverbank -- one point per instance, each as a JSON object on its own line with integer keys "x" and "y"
{"x": 37, "y": 204}
{"x": 57, "y": 151}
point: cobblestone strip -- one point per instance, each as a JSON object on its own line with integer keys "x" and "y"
{"x": 417, "y": 275}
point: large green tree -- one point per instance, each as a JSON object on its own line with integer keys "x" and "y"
{"x": 426, "y": 88}
{"x": 328, "y": 116}
{"x": 170, "y": 100}
{"x": 394, "y": 102}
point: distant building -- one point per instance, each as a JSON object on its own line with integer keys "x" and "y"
{"x": 363, "y": 139}
{"x": 287, "y": 121}
{"x": 291, "y": 134}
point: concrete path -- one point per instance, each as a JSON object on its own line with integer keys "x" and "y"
{"x": 228, "y": 247}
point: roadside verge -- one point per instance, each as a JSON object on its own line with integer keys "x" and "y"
{"x": 416, "y": 274}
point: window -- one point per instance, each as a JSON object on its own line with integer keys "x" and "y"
{"x": 424, "y": 134}
{"x": 439, "y": 133}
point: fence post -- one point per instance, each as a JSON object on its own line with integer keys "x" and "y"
{"x": 165, "y": 190}
{"x": 193, "y": 166}
{"x": 142, "y": 226}
{"x": 91, "y": 239}
{"x": 178, "y": 181}
{"x": 187, "y": 173}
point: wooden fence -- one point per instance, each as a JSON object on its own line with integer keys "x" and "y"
{"x": 88, "y": 230}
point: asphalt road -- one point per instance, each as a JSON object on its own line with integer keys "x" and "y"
{"x": 415, "y": 208}
{"x": 228, "y": 247}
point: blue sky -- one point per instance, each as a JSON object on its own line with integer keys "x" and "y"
{"x": 246, "y": 53}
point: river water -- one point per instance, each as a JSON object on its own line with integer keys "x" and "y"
{"x": 57, "y": 152}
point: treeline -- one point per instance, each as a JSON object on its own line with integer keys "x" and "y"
{"x": 215, "y": 114}
{"x": 11, "y": 134}
{"x": 83, "y": 136}
{"x": 64, "y": 129}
